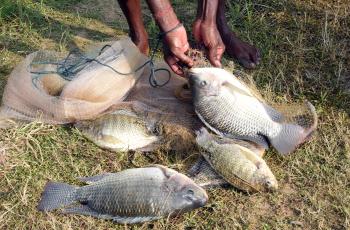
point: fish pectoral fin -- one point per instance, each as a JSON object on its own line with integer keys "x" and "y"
{"x": 94, "y": 179}
{"x": 110, "y": 139}
{"x": 124, "y": 112}
{"x": 149, "y": 148}
{"x": 250, "y": 155}
{"x": 168, "y": 172}
{"x": 273, "y": 113}
{"x": 260, "y": 140}
{"x": 235, "y": 89}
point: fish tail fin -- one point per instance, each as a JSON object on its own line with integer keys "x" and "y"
{"x": 293, "y": 135}
{"x": 56, "y": 195}
{"x": 289, "y": 138}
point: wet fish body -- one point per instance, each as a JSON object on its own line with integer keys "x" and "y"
{"x": 229, "y": 108}
{"x": 236, "y": 164}
{"x": 130, "y": 196}
{"x": 121, "y": 130}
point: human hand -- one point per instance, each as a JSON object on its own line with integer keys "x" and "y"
{"x": 208, "y": 34}
{"x": 175, "y": 47}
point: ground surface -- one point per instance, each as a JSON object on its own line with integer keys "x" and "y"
{"x": 305, "y": 52}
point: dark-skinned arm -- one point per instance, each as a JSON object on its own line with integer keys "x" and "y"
{"x": 176, "y": 43}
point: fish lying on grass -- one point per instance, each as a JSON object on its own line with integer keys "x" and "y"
{"x": 130, "y": 196}
{"x": 121, "y": 130}
{"x": 229, "y": 108}
{"x": 236, "y": 164}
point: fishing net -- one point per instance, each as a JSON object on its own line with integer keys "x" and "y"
{"x": 60, "y": 88}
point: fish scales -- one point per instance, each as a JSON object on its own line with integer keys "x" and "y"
{"x": 106, "y": 197}
{"x": 236, "y": 115}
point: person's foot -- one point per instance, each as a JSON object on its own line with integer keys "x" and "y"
{"x": 247, "y": 55}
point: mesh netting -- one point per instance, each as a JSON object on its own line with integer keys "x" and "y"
{"x": 36, "y": 89}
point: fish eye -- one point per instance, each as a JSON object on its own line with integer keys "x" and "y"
{"x": 189, "y": 195}
{"x": 190, "y": 192}
{"x": 268, "y": 184}
{"x": 203, "y": 83}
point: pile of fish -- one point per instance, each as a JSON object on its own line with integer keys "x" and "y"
{"x": 243, "y": 126}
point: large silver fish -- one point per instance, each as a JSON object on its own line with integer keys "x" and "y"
{"x": 236, "y": 164}
{"x": 121, "y": 130}
{"x": 130, "y": 196}
{"x": 229, "y": 108}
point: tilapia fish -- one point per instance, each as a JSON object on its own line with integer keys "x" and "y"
{"x": 130, "y": 196}
{"x": 236, "y": 164}
{"x": 229, "y": 108}
{"x": 121, "y": 130}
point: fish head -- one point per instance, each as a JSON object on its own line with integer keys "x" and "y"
{"x": 265, "y": 178}
{"x": 205, "y": 82}
{"x": 187, "y": 195}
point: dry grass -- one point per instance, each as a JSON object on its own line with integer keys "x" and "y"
{"x": 305, "y": 49}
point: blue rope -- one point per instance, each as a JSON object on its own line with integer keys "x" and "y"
{"x": 67, "y": 71}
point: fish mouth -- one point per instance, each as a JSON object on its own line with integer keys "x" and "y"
{"x": 200, "y": 202}
{"x": 271, "y": 186}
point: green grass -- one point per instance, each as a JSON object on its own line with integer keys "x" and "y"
{"x": 305, "y": 54}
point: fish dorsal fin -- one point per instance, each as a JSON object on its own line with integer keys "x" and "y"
{"x": 124, "y": 112}
{"x": 94, "y": 179}
{"x": 204, "y": 175}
